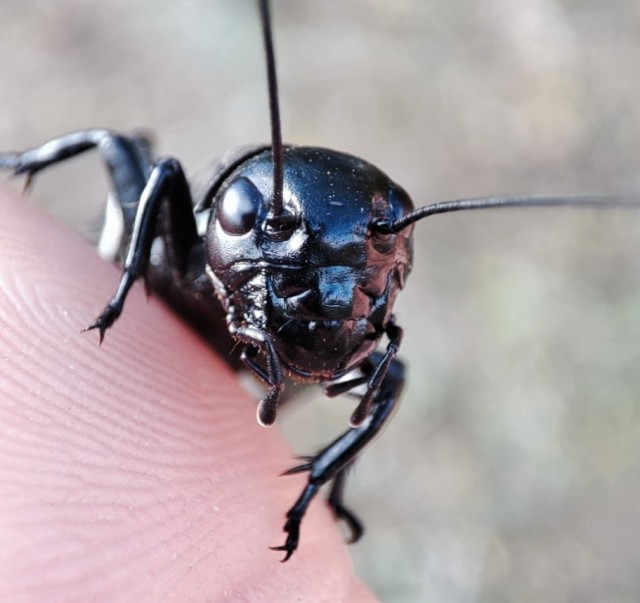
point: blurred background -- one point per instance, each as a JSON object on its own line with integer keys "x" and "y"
{"x": 512, "y": 470}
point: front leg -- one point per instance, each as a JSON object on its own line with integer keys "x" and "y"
{"x": 332, "y": 461}
{"x": 372, "y": 376}
{"x": 340, "y": 511}
{"x": 140, "y": 187}
{"x": 166, "y": 182}
{"x": 127, "y": 159}
{"x": 129, "y": 165}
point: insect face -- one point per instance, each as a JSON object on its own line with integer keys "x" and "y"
{"x": 524, "y": 391}
{"x": 327, "y": 283}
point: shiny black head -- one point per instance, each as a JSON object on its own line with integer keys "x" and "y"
{"x": 321, "y": 282}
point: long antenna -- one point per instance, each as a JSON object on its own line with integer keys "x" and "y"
{"x": 277, "y": 209}
{"x": 500, "y": 202}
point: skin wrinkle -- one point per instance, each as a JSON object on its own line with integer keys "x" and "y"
{"x": 129, "y": 474}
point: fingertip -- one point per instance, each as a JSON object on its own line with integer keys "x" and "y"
{"x": 135, "y": 469}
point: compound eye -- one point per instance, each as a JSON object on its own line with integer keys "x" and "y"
{"x": 237, "y": 210}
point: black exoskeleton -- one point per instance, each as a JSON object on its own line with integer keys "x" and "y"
{"x": 311, "y": 300}
{"x": 298, "y": 252}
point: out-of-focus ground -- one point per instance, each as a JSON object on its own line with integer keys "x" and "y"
{"x": 512, "y": 470}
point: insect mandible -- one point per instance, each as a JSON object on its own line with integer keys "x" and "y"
{"x": 305, "y": 262}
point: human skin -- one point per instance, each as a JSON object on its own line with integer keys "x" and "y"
{"x": 135, "y": 471}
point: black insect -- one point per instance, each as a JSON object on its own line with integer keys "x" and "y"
{"x": 305, "y": 248}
